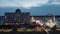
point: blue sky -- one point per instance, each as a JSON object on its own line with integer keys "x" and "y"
{"x": 35, "y": 7}
{"x": 27, "y": 3}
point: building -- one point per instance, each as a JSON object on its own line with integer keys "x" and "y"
{"x": 16, "y": 17}
{"x": 1, "y": 20}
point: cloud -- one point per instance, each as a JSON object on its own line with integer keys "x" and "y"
{"x": 23, "y": 3}
{"x": 6, "y": 3}
{"x": 54, "y": 2}
{"x": 28, "y": 3}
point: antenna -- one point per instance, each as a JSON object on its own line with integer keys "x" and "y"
{"x": 54, "y": 17}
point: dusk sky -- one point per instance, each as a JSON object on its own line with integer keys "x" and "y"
{"x": 28, "y": 4}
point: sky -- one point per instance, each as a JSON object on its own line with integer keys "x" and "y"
{"x": 35, "y": 7}
{"x": 27, "y": 3}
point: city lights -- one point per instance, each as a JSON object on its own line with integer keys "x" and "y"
{"x": 22, "y": 21}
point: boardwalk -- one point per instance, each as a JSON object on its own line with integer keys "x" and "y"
{"x": 29, "y": 31}
{"x": 43, "y": 32}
